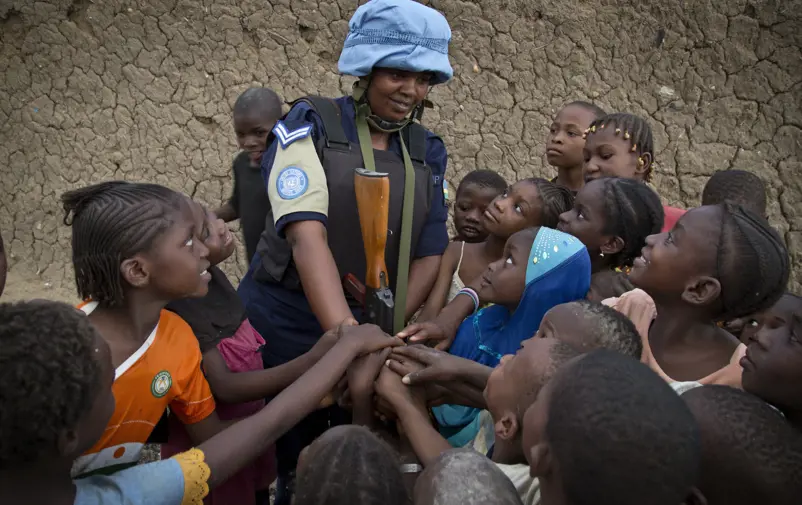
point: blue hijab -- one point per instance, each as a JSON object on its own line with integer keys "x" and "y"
{"x": 558, "y": 271}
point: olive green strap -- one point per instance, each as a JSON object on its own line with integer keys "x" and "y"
{"x": 404, "y": 251}
{"x": 363, "y": 132}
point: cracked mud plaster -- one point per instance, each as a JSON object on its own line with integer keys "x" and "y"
{"x": 143, "y": 89}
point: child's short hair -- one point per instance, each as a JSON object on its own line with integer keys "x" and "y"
{"x": 350, "y": 465}
{"x": 263, "y": 100}
{"x": 752, "y": 262}
{"x": 484, "y": 179}
{"x": 464, "y": 477}
{"x": 737, "y": 186}
{"x": 632, "y": 128}
{"x": 620, "y": 434}
{"x": 556, "y": 200}
{"x": 632, "y": 211}
{"x": 112, "y": 221}
{"x": 611, "y": 329}
{"x": 49, "y": 377}
{"x": 592, "y": 108}
{"x": 750, "y": 453}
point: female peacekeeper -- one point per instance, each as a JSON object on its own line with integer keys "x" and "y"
{"x": 293, "y": 290}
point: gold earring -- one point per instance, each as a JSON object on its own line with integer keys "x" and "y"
{"x": 641, "y": 162}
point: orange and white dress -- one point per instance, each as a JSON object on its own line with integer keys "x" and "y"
{"x": 164, "y": 371}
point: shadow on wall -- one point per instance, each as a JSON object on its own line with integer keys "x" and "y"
{"x": 143, "y": 89}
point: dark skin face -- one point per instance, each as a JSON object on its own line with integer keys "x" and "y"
{"x": 90, "y": 428}
{"x": 252, "y": 128}
{"x": 773, "y": 361}
{"x": 681, "y": 263}
{"x": 178, "y": 261}
{"x": 469, "y": 208}
{"x": 515, "y": 374}
{"x": 517, "y": 208}
{"x": 393, "y": 94}
{"x": 566, "y": 323}
{"x": 587, "y": 222}
{"x": 609, "y": 155}
{"x": 504, "y": 280}
{"x": 565, "y": 143}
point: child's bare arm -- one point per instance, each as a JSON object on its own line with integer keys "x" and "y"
{"x": 230, "y": 450}
{"x": 410, "y": 407}
{"x": 422, "y": 273}
{"x": 231, "y": 387}
{"x": 437, "y": 297}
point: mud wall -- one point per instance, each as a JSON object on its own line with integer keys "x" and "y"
{"x": 143, "y": 89}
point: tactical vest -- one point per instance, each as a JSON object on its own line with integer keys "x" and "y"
{"x": 339, "y": 158}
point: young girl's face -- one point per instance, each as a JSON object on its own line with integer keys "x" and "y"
{"x": 609, "y": 155}
{"x": 671, "y": 260}
{"x": 586, "y": 221}
{"x": 565, "y": 143}
{"x": 517, "y": 208}
{"x": 504, "y": 280}
{"x": 179, "y": 259}
{"x": 217, "y": 238}
{"x": 773, "y": 361}
{"x": 471, "y": 203}
{"x": 517, "y": 375}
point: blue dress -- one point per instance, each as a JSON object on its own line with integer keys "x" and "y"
{"x": 558, "y": 271}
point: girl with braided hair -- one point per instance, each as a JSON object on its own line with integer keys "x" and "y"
{"x": 527, "y": 203}
{"x": 621, "y": 145}
{"x": 613, "y": 217}
{"x": 135, "y": 248}
{"x": 719, "y": 262}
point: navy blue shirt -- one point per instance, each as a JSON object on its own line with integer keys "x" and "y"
{"x": 284, "y": 317}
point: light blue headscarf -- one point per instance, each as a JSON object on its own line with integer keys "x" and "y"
{"x": 399, "y": 34}
{"x": 558, "y": 271}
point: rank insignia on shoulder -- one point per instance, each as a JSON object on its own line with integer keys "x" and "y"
{"x": 287, "y": 137}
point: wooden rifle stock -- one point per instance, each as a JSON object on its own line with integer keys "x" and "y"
{"x": 373, "y": 204}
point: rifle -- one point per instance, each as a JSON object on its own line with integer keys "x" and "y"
{"x": 373, "y": 204}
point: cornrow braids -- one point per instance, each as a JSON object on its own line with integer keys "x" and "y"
{"x": 590, "y": 107}
{"x": 484, "y": 179}
{"x": 50, "y": 377}
{"x": 112, "y": 221}
{"x": 633, "y": 212}
{"x": 633, "y": 129}
{"x": 737, "y": 186}
{"x": 350, "y": 465}
{"x": 556, "y": 200}
{"x": 752, "y": 262}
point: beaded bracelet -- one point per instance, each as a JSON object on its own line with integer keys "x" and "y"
{"x": 474, "y": 296}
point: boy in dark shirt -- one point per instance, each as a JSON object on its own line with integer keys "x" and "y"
{"x": 255, "y": 113}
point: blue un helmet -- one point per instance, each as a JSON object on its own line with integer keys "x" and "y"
{"x": 398, "y": 34}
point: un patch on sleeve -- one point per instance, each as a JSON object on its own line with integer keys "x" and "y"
{"x": 292, "y": 182}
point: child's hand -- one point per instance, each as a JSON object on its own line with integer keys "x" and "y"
{"x": 325, "y": 343}
{"x": 366, "y": 338}
{"x": 425, "y": 332}
{"x": 390, "y": 388}
{"x": 363, "y": 373}
{"x": 418, "y": 365}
